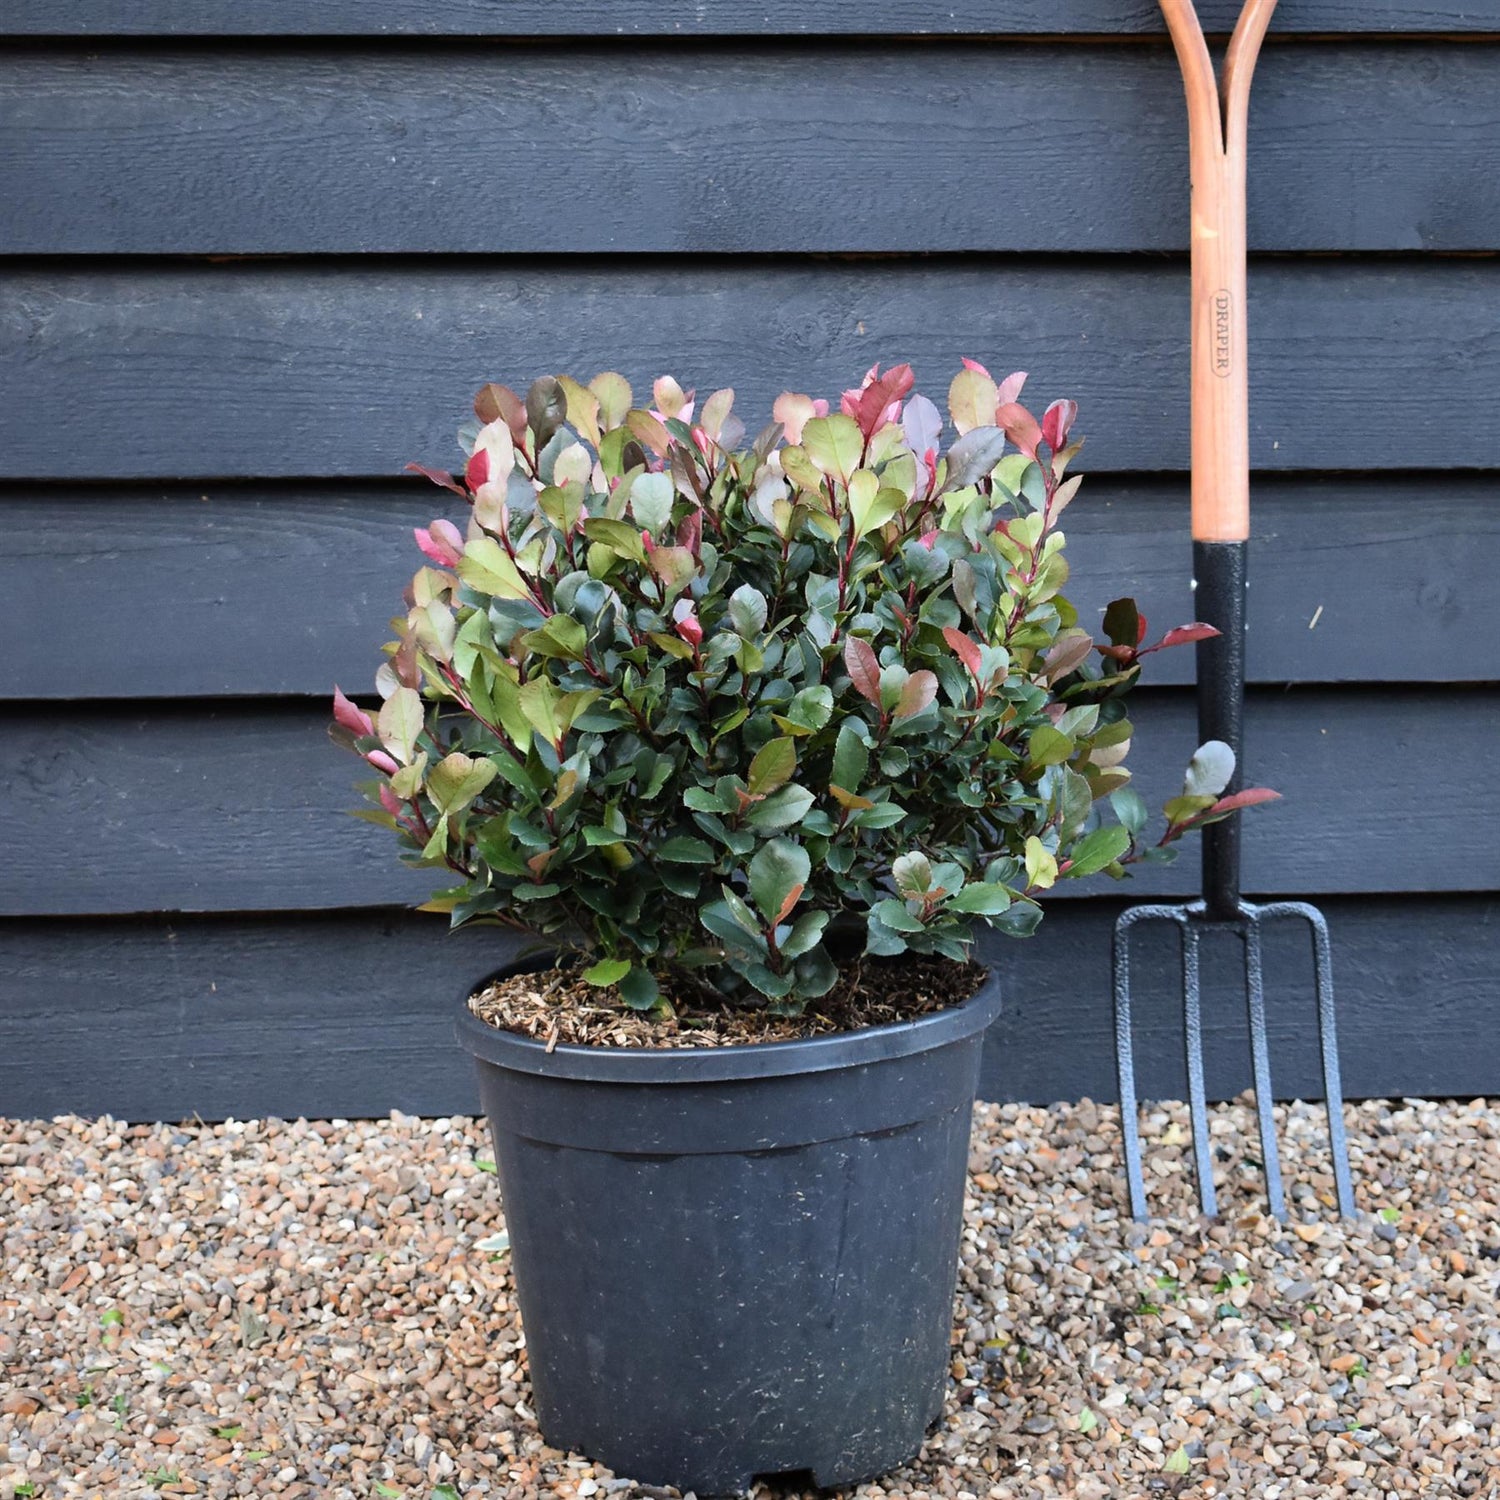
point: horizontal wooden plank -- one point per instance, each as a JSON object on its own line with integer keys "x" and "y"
{"x": 331, "y": 150}
{"x": 338, "y": 369}
{"x": 350, "y": 1014}
{"x": 243, "y": 807}
{"x": 178, "y": 577}
{"x": 523, "y": 18}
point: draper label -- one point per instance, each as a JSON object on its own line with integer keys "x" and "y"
{"x": 1223, "y": 309}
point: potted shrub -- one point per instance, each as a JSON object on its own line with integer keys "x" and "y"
{"x": 748, "y": 738}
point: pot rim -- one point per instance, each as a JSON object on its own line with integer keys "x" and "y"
{"x": 696, "y": 1065}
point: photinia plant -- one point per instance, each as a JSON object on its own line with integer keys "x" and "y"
{"x": 696, "y": 706}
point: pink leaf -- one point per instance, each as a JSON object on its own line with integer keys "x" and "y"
{"x": 977, "y": 368}
{"x": 1020, "y": 427}
{"x": 685, "y": 622}
{"x": 382, "y": 762}
{"x": 864, "y": 668}
{"x": 1250, "y": 797}
{"x": 353, "y": 718}
{"x": 441, "y": 542}
{"x": 1056, "y": 422}
{"x": 1010, "y": 388}
{"x": 917, "y": 693}
{"x": 389, "y": 800}
{"x": 966, "y": 650}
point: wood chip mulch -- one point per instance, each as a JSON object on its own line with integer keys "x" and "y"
{"x": 558, "y": 1006}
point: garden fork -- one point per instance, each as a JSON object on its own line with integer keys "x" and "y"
{"x": 1217, "y": 116}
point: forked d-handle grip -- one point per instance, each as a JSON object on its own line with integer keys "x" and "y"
{"x": 1217, "y": 113}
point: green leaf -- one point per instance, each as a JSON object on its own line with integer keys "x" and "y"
{"x": 747, "y": 610}
{"x": 686, "y": 851}
{"x": 1023, "y": 918}
{"x": 772, "y": 766}
{"x": 781, "y": 809}
{"x": 1100, "y": 848}
{"x": 882, "y": 815}
{"x": 1180, "y": 809}
{"x": 1178, "y": 1463}
{"x": 1087, "y": 1421}
{"x": 913, "y": 874}
{"x": 607, "y": 971}
{"x": 651, "y": 501}
{"x": 1049, "y": 746}
{"x": 834, "y": 444}
{"x": 981, "y": 899}
{"x": 741, "y": 912}
{"x": 456, "y": 780}
{"x": 1130, "y": 809}
{"x": 618, "y": 536}
{"x": 486, "y": 567}
{"x": 806, "y": 931}
{"x": 851, "y": 759}
{"x": 893, "y": 914}
{"x": 562, "y": 637}
{"x": 778, "y": 874}
{"x": 809, "y": 710}
{"x": 870, "y": 506}
{"x": 400, "y": 722}
{"x": 639, "y": 989}
{"x": 1041, "y": 867}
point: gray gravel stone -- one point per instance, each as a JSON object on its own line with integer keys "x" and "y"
{"x": 270, "y": 1308}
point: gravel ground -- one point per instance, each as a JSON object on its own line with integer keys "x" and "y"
{"x": 321, "y": 1310}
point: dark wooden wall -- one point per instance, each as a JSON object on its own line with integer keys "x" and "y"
{"x": 256, "y": 255}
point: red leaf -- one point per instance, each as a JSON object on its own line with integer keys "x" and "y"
{"x": 1180, "y": 636}
{"x": 880, "y": 394}
{"x": 965, "y": 649}
{"x": 690, "y": 532}
{"x": 352, "y": 717}
{"x": 439, "y": 477}
{"x": 1250, "y": 797}
{"x": 477, "y": 471}
{"x": 1056, "y": 421}
{"x": 1020, "y": 427}
{"x": 1125, "y": 654}
{"x": 919, "y": 691}
{"x": 864, "y": 668}
{"x": 1010, "y": 388}
{"x": 793, "y": 896}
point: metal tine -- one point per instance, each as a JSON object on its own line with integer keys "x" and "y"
{"x": 1260, "y": 1058}
{"x": 1125, "y": 1060}
{"x": 1328, "y": 1044}
{"x": 1192, "y": 1019}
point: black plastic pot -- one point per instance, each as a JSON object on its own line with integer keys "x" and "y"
{"x": 740, "y": 1261}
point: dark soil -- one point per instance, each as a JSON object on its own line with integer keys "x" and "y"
{"x": 556, "y": 1005}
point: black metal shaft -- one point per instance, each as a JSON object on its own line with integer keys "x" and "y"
{"x": 1219, "y": 568}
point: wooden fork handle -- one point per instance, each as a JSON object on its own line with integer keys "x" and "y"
{"x": 1217, "y": 116}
